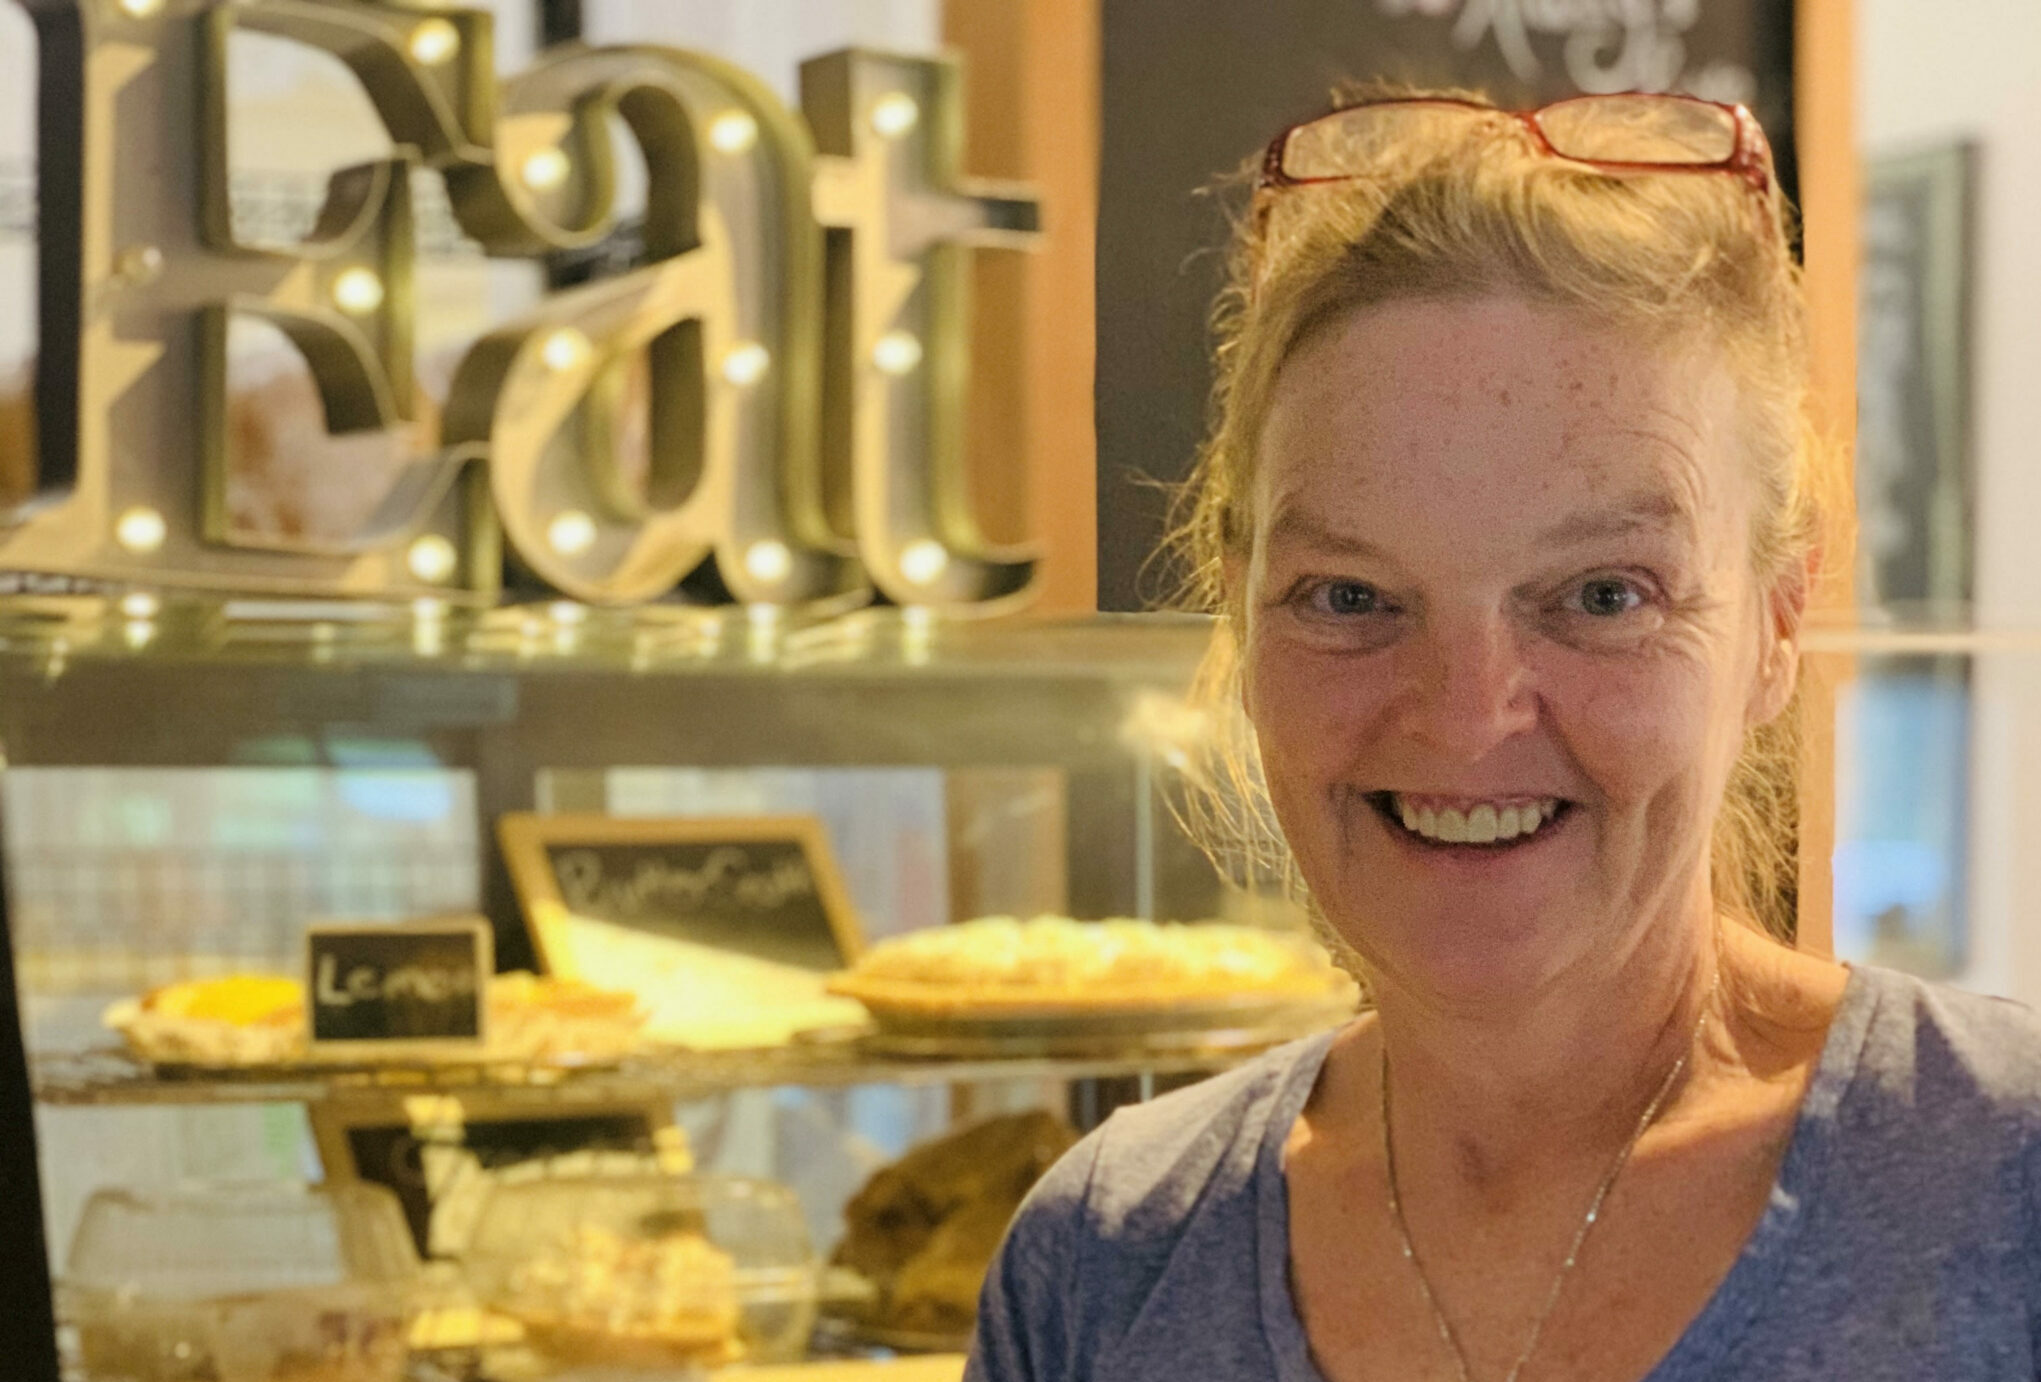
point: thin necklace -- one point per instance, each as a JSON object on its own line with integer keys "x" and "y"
{"x": 1587, "y": 1223}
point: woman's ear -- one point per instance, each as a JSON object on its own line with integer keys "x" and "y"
{"x": 1778, "y": 668}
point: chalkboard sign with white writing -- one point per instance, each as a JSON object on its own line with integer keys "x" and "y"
{"x": 440, "y": 1154}
{"x": 765, "y": 887}
{"x": 382, "y": 989}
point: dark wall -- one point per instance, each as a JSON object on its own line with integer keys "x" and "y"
{"x": 1195, "y": 88}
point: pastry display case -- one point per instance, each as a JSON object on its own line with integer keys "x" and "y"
{"x": 830, "y": 1190}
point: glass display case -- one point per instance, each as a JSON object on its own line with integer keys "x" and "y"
{"x": 189, "y": 785}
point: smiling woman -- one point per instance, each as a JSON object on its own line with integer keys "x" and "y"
{"x": 1509, "y": 514}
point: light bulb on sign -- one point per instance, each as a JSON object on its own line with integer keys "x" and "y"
{"x": 432, "y": 558}
{"x": 924, "y": 562}
{"x": 897, "y": 353}
{"x": 768, "y": 561}
{"x": 428, "y": 608}
{"x": 140, "y": 530}
{"x": 732, "y": 132}
{"x": 547, "y": 170}
{"x": 894, "y": 114}
{"x": 746, "y": 364}
{"x": 140, "y": 604}
{"x": 567, "y": 612}
{"x": 571, "y": 533}
{"x": 565, "y": 349}
{"x": 141, "y": 9}
{"x": 435, "y": 41}
{"x": 358, "y": 291}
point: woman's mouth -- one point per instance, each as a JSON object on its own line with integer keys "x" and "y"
{"x": 1499, "y": 823}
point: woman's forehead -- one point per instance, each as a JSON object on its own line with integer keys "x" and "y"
{"x": 1485, "y": 400}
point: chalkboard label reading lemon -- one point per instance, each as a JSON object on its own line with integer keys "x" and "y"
{"x": 386, "y": 990}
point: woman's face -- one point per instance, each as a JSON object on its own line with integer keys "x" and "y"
{"x": 1503, "y": 638}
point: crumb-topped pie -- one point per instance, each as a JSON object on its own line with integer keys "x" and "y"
{"x": 1054, "y": 964}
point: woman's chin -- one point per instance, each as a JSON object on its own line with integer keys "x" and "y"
{"x": 1463, "y": 961}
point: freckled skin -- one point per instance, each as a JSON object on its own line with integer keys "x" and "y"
{"x": 1464, "y": 469}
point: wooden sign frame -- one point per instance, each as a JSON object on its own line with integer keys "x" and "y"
{"x": 483, "y": 941}
{"x": 526, "y": 838}
{"x": 335, "y": 1123}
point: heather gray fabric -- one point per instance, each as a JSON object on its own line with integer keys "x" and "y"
{"x": 1900, "y": 1242}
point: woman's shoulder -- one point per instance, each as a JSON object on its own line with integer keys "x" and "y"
{"x": 1940, "y": 1055}
{"x": 1142, "y": 1172}
{"x": 1162, "y": 1191}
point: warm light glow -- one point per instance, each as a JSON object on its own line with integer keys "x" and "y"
{"x": 768, "y": 561}
{"x": 917, "y": 634}
{"x": 894, "y": 114}
{"x": 571, "y": 533}
{"x": 565, "y": 349}
{"x": 358, "y": 291}
{"x": 746, "y": 364}
{"x": 567, "y": 612}
{"x": 140, "y": 604}
{"x": 434, "y": 41}
{"x": 141, "y": 9}
{"x": 897, "y": 352}
{"x": 141, "y": 530}
{"x": 432, "y": 558}
{"x": 547, "y": 170}
{"x": 924, "y": 562}
{"x": 427, "y": 608}
{"x": 138, "y": 633}
{"x": 732, "y": 132}
{"x": 139, "y": 265}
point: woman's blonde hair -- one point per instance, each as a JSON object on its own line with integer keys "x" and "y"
{"x": 1473, "y": 208}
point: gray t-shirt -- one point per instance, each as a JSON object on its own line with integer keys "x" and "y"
{"x": 1900, "y": 1243}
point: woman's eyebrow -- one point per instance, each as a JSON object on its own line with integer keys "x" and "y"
{"x": 1655, "y": 510}
{"x": 1296, "y": 525}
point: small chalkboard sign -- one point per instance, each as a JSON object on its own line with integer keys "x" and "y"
{"x": 441, "y": 1153}
{"x": 384, "y": 990}
{"x": 762, "y": 886}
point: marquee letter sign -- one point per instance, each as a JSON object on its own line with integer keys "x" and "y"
{"x": 800, "y": 316}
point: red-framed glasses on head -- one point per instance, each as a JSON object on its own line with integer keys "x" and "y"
{"x": 1633, "y": 133}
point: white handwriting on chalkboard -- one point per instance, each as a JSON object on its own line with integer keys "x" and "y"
{"x": 1610, "y": 45}
{"x": 660, "y": 887}
{"x": 371, "y": 984}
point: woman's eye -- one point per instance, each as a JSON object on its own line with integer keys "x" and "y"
{"x": 1344, "y": 598}
{"x": 1606, "y": 597}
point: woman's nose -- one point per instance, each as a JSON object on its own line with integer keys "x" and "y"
{"x": 1472, "y": 690}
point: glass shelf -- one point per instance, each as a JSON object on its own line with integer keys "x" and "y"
{"x": 110, "y": 1077}
{"x": 47, "y": 636}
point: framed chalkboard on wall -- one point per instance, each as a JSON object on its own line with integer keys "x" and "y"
{"x": 760, "y": 886}
{"x": 1192, "y": 90}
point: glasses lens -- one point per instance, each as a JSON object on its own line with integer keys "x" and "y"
{"x": 1362, "y": 138}
{"x": 1640, "y": 129}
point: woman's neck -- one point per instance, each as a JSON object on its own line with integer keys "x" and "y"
{"x": 1502, "y": 1089}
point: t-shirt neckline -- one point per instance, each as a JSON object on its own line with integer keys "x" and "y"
{"x": 1727, "y": 1316}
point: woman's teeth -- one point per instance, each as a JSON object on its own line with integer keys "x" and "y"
{"x": 1479, "y": 825}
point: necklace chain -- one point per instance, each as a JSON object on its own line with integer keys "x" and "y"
{"x": 1587, "y": 1222}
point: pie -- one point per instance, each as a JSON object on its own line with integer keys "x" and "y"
{"x": 259, "y": 1019}
{"x": 236, "y": 1019}
{"x": 606, "y": 1299}
{"x": 997, "y": 965}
